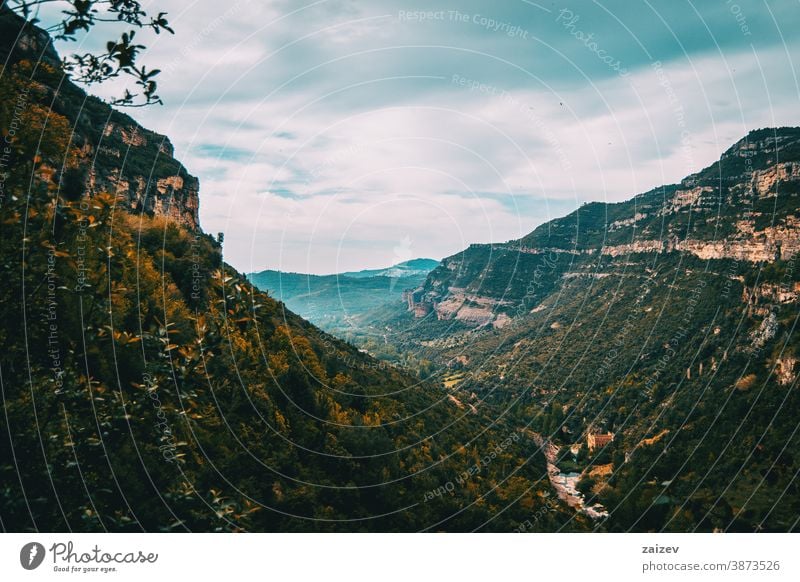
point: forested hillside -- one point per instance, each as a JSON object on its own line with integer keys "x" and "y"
{"x": 668, "y": 321}
{"x": 629, "y": 367}
{"x": 147, "y": 385}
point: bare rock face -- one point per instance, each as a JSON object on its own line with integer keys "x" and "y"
{"x": 138, "y": 165}
{"x": 643, "y": 246}
{"x": 685, "y": 199}
{"x": 743, "y": 208}
{"x": 785, "y": 370}
{"x": 766, "y": 182}
{"x": 118, "y": 155}
{"x": 771, "y": 293}
{"x": 765, "y": 332}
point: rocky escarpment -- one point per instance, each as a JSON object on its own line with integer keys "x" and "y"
{"x": 139, "y": 166}
{"x": 117, "y": 155}
{"x": 743, "y": 208}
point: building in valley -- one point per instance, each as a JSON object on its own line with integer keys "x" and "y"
{"x": 599, "y": 440}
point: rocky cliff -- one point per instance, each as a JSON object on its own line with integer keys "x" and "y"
{"x": 742, "y": 208}
{"x": 117, "y": 155}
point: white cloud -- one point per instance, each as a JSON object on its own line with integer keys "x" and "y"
{"x": 324, "y": 153}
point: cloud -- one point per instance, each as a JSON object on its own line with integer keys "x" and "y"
{"x": 327, "y": 134}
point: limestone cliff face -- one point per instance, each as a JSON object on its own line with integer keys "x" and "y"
{"x": 164, "y": 188}
{"x": 785, "y": 370}
{"x": 117, "y": 154}
{"x": 745, "y": 208}
{"x": 767, "y": 245}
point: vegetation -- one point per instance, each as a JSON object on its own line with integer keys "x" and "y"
{"x": 691, "y": 363}
{"x": 148, "y": 386}
{"x": 120, "y": 56}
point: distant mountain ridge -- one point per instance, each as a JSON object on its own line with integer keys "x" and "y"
{"x": 336, "y": 302}
{"x": 405, "y": 269}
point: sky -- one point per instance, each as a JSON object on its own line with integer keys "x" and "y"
{"x": 336, "y": 135}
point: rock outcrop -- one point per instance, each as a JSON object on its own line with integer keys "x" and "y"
{"x": 743, "y": 208}
{"x": 117, "y": 154}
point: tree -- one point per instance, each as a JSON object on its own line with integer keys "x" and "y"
{"x": 585, "y": 485}
{"x": 120, "y": 55}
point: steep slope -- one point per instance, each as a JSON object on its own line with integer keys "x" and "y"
{"x": 668, "y": 321}
{"x": 111, "y": 152}
{"x": 148, "y": 386}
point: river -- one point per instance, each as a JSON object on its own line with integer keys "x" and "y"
{"x": 565, "y": 484}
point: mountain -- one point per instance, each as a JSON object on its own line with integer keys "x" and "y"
{"x": 742, "y": 208}
{"x": 667, "y": 323}
{"x": 412, "y": 268}
{"x": 338, "y": 303}
{"x": 630, "y": 367}
{"x": 111, "y": 152}
{"x": 148, "y": 386}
